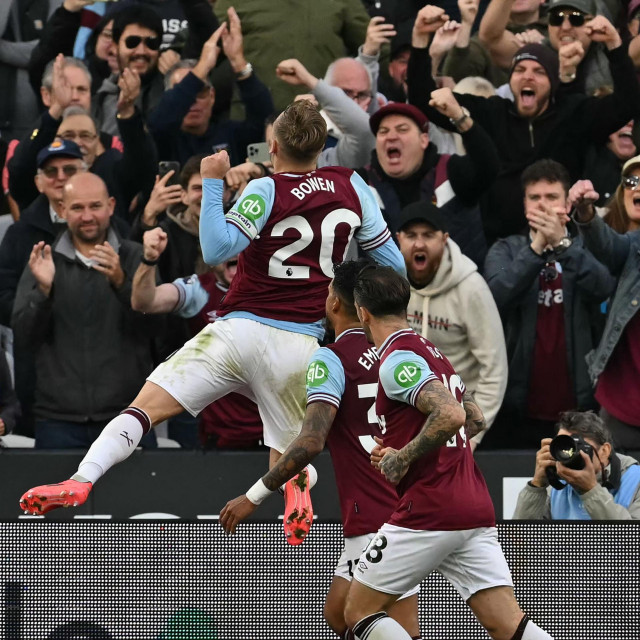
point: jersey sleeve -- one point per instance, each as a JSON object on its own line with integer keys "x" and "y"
{"x": 325, "y": 378}
{"x": 251, "y": 212}
{"x": 192, "y": 296}
{"x": 374, "y": 231}
{"x": 374, "y": 236}
{"x": 403, "y": 375}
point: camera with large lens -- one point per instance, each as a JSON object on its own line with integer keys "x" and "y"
{"x": 566, "y": 449}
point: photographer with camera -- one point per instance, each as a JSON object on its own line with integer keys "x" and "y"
{"x": 579, "y": 476}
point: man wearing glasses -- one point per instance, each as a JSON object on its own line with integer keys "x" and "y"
{"x": 571, "y": 24}
{"x": 541, "y": 121}
{"x": 41, "y": 221}
{"x": 137, "y": 34}
{"x": 548, "y": 288}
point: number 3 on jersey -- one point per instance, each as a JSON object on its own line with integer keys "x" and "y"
{"x": 277, "y": 268}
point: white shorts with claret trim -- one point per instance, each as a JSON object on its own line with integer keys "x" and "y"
{"x": 351, "y": 552}
{"x": 265, "y": 364}
{"x": 397, "y": 559}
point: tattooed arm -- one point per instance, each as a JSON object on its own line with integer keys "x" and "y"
{"x": 307, "y": 445}
{"x": 475, "y": 422}
{"x": 445, "y": 417}
{"x": 315, "y": 429}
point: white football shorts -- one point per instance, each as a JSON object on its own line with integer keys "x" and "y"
{"x": 351, "y": 552}
{"x": 397, "y": 559}
{"x": 265, "y": 364}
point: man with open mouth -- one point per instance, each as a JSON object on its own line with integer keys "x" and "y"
{"x": 541, "y": 122}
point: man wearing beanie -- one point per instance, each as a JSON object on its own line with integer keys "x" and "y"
{"x": 544, "y": 121}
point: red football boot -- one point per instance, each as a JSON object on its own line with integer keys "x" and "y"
{"x": 40, "y": 500}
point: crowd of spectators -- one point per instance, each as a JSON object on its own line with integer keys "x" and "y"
{"x": 498, "y": 138}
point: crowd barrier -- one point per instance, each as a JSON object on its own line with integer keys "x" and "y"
{"x": 195, "y": 485}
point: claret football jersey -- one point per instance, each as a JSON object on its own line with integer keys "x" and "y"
{"x": 345, "y": 375}
{"x": 444, "y": 490}
{"x": 299, "y": 225}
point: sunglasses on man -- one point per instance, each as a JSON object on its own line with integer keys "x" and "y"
{"x": 67, "y": 169}
{"x": 151, "y": 42}
{"x": 576, "y": 18}
{"x": 631, "y": 182}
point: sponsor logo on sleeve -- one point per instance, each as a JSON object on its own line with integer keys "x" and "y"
{"x": 252, "y": 207}
{"x": 407, "y": 374}
{"x": 317, "y": 373}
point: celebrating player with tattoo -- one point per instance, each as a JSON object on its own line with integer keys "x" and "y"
{"x": 444, "y": 519}
{"x": 342, "y": 380}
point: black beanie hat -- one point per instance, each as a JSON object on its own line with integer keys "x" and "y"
{"x": 544, "y": 56}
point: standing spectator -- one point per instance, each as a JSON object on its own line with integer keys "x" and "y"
{"x": 623, "y": 210}
{"x": 126, "y": 173}
{"x": 21, "y": 25}
{"x": 75, "y": 294}
{"x": 137, "y": 35}
{"x": 452, "y": 306}
{"x": 541, "y": 123}
{"x": 175, "y": 208}
{"x": 327, "y": 32}
{"x": 606, "y": 488}
{"x": 59, "y": 36}
{"x": 548, "y": 289}
{"x": 344, "y": 97}
{"x": 406, "y": 168}
{"x": 41, "y": 221}
{"x": 181, "y": 123}
{"x": 614, "y": 365}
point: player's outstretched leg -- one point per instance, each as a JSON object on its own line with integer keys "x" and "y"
{"x": 117, "y": 441}
{"x": 298, "y": 510}
{"x": 40, "y": 500}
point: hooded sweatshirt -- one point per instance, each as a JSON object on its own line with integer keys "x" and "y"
{"x": 456, "y": 312}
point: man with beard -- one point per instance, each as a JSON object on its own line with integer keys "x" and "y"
{"x": 137, "y": 35}
{"x": 452, "y": 306}
{"x": 232, "y": 422}
{"x": 541, "y": 122}
{"x": 73, "y": 306}
{"x": 548, "y": 288}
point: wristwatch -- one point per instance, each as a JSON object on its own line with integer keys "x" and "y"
{"x": 245, "y": 73}
{"x": 563, "y": 245}
{"x": 456, "y": 122}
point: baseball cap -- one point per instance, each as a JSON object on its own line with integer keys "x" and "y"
{"x": 59, "y": 147}
{"x": 421, "y": 211}
{"x": 402, "y": 109}
{"x": 633, "y": 6}
{"x": 544, "y": 56}
{"x": 629, "y": 164}
{"x": 585, "y": 6}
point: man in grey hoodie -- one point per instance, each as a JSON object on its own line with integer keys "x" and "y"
{"x": 452, "y": 306}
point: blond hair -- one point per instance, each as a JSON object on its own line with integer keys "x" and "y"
{"x": 301, "y": 131}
